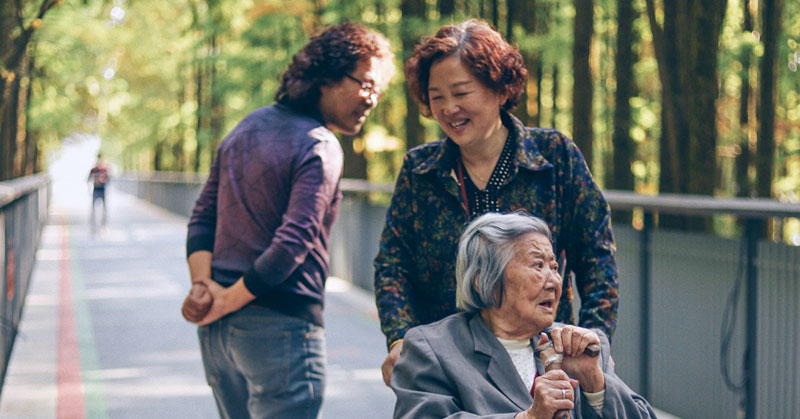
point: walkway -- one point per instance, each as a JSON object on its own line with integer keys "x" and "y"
{"x": 102, "y": 335}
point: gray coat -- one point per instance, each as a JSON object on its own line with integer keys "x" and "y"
{"x": 456, "y": 368}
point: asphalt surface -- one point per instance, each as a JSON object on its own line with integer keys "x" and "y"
{"x": 102, "y": 336}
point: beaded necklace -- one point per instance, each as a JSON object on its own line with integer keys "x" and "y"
{"x": 482, "y": 201}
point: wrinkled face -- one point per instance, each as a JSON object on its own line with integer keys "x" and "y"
{"x": 532, "y": 285}
{"x": 464, "y": 107}
{"x": 345, "y": 104}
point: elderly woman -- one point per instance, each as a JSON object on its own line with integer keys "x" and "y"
{"x": 468, "y": 78}
{"x": 480, "y": 362}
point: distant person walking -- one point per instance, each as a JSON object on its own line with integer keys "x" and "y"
{"x": 258, "y": 236}
{"x": 98, "y": 177}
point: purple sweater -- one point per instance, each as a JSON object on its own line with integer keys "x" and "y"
{"x": 267, "y": 209}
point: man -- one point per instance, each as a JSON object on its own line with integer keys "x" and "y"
{"x": 258, "y": 236}
{"x": 98, "y": 177}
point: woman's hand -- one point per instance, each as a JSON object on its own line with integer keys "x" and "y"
{"x": 552, "y": 392}
{"x": 388, "y": 363}
{"x": 572, "y": 341}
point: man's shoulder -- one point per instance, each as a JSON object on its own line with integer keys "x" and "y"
{"x": 282, "y": 123}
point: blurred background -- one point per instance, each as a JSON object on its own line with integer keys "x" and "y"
{"x": 661, "y": 97}
{"x": 685, "y": 110}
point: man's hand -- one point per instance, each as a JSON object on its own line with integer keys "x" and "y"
{"x": 225, "y": 300}
{"x": 197, "y": 303}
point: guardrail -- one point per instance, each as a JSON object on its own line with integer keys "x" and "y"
{"x": 680, "y": 295}
{"x": 23, "y": 213}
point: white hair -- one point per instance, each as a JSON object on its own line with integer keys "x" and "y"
{"x": 484, "y": 250}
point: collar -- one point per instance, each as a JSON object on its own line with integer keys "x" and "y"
{"x": 310, "y": 112}
{"x": 499, "y": 368}
{"x": 527, "y": 154}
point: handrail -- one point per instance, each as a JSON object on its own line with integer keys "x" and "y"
{"x": 619, "y": 200}
{"x": 702, "y": 205}
{"x": 13, "y": 189}
{"x": 671, "y": 203}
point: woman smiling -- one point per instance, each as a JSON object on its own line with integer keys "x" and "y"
{"x": 469, "y": 79}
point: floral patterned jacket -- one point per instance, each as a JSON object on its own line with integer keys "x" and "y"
{"x": 415, "y": 266}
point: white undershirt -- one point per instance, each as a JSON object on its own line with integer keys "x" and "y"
{"x": 521, "y": 353}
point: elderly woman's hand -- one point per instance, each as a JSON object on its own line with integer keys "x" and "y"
{"x": 572, "y": 341}
{"x": 552, "y": 392}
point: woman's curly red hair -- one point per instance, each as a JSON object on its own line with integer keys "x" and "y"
{"x": 488, "y": 56}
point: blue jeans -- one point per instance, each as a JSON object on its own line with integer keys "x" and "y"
{"x": 264, "y": 364}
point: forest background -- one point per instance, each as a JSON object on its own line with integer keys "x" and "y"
{"x": 673, "y": 96}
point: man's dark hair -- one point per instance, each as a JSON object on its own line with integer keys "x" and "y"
{"x": 325, "y": 60}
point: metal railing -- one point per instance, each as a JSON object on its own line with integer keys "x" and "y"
{"x": 679, "y": 294}
{"x": 23, "y": 213}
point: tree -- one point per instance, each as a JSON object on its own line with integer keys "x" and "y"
{"x": 768, "y": 69}
{"x": 622, "y": 176}
{"x": 743, "y": 184}
{"x": 17, "y": 32}
{"x": 765, "y": 152}
{"x": 413, "y": 16}
{"x": 583, "y": 89}
{"x": 686, "y": 50}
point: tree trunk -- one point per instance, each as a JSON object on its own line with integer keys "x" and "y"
{"x": 29, "y": 166}
{"x": 495, "y": 14}
{"x": 536, "y": 118}
{"x": 217, "y": 117}
{"x": 7, "y": 99}
{"x": 157, "y": 156}
{"x": 765, "y": 152}
{"x": 8, "y": 129}
{"x": 355, "y": 164}
{"x": 743, "y": 184}
{"x": 623, "y": 155}
{"x": 14, "y": 84}
{"x": 413, "y": 11}
{"x": 583, "y": 90}
{"x": 673, "y": 126}
{"x": 530, "y": 114}
{"x": 446, "y": 8}
{"x": 21, "y": 117}
{"x": 768, "y": 71}
{"x": 200, "y": 131}
{"x": 686, "y": 52}
{"x": 701, "y": 77}
{"x": 555, "y": 95}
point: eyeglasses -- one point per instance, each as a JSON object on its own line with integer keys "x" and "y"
{"x": 367, "y": 89}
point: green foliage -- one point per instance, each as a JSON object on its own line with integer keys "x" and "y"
{"x": 185, "y": 72}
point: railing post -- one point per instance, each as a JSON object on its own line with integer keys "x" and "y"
{"x": 752, "y": 230}
{"x": 644, "y": 304}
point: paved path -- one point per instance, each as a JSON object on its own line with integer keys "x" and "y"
{"x": 102, "y": 336}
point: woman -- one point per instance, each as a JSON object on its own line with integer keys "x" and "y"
{"x": 468, "y": 79}
{"x": 481, "y": 362}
